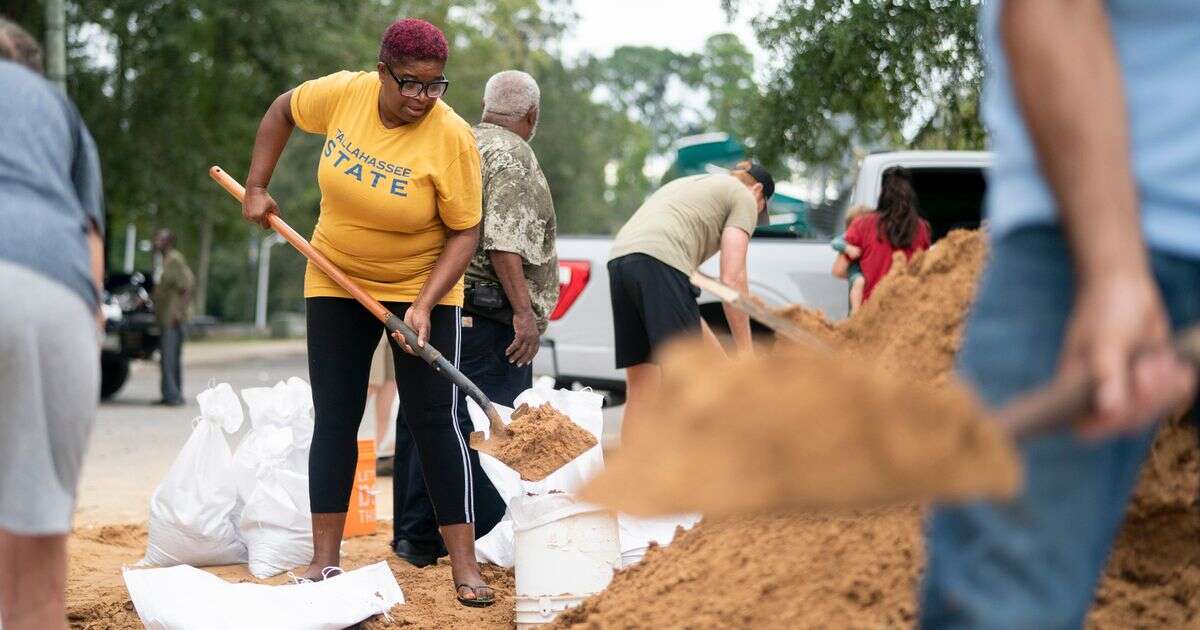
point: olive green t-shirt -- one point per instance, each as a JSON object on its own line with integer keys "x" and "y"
{"x": 681, "y": 223}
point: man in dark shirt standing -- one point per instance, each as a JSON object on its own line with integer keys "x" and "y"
{"x": 172, "y": 294}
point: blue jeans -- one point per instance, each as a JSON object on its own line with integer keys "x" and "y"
{"x": 483, "y": 344}
{"x": 1034, "y": 562}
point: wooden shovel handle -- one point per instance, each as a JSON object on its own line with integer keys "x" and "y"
{"x": 1065, "y": 400}
{"x": 390, "y": 321}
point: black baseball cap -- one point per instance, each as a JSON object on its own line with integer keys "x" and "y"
{"x": 760, "y": 175}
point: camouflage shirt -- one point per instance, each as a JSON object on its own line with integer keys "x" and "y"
{"x": 518, "y": 217}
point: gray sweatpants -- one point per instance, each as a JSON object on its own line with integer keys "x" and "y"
{"x": 49, "y": 389}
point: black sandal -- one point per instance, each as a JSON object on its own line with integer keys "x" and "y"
{"x": 477, "y": 601}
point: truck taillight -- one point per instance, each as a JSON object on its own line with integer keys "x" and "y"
{"x": 573, "y": 276}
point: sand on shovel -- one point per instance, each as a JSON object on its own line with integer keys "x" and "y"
{"x": 542, "y": 441}
{"x": 800, "y": 429}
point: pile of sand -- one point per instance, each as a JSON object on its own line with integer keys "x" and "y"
{"x": 913, "y": 323}
{"x": 542, "y": 441}
{"x": 861, "y": 570}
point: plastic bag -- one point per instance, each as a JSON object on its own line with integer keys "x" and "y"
{"x": 277, "y": 523}
{"x": 192, "y": 510}
{"x": 185, "y": 598}
{"x": 286, "y": 405}
{"x": 582, "y": 407}
{"x": 637, "y": 533}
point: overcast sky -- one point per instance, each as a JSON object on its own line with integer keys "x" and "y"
{"x": 681, "y": 25}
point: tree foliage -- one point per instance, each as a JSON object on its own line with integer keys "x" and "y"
{"x": 861, "y": 73}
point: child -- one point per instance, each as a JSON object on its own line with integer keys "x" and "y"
{"x": 855, "y": 277}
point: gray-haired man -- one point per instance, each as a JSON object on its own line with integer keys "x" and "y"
{"x": 512, "y": 286}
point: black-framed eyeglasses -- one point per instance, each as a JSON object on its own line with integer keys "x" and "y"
{"x": 413, "y": 88}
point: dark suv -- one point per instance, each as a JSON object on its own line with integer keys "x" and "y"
{"x": 131, "y": 332}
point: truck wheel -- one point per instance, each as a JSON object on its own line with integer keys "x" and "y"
{"x": 114, "y": 371}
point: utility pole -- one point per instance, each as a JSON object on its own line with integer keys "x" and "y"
{"x": 56, "y": 43}
{"x": 264, "y": 278}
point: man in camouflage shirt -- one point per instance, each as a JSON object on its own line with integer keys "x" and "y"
{"x": 512, "y": 286}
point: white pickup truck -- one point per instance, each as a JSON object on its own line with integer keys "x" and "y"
{"x": 785, "y": 267}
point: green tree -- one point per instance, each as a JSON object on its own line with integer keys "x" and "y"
{"x": 855, "y": 72}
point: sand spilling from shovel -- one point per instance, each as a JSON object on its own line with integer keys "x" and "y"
{"x": 542, "y": 441}
{"x": 800, "y": 429}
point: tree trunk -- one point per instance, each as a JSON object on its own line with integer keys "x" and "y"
{"x": 206, "y": 236}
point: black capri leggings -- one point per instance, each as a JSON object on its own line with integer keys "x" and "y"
{"x": 342, "y": 337}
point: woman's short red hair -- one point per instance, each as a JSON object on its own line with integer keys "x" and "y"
{"x": 413, "y": 40}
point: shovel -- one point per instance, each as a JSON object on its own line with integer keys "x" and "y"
{"x": 499, "y": 432}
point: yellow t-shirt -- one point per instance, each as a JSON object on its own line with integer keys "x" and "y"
{"x": 387, "y": 195}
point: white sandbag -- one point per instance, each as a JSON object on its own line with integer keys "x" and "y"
{"x": 584, "y": 408}
{"x": 276, "y": 523}
{"x": 637, "y": 533}
{"x": 498, "y": 547}
{"x": 185, "y": 598}
{"x": 268, "y": 445}
{"x": 191, "y": 511}
{"x": 288, "y": 404}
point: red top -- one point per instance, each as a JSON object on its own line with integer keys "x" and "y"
{"x": 877, "y": 252}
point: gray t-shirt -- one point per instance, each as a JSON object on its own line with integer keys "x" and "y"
{"x": 49, "y": 181}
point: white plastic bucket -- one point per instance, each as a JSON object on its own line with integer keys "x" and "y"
{"x": 566, "y": 551}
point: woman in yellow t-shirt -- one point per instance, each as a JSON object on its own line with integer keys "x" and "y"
{"x": 401, "y": 199}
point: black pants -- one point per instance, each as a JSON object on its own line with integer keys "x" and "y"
{"x": 483, "y": 344}
{"x": 170, "y": 350}
{"x": 342, "y": 337}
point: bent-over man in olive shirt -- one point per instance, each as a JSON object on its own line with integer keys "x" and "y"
{"x": 680, "y": 226}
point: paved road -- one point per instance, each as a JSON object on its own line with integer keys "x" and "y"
{"x": 134, "y": 440}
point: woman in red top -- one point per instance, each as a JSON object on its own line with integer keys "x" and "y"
{"x": 895, "y": 225}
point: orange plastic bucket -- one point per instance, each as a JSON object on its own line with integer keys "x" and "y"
{"x": 360, "y": 517}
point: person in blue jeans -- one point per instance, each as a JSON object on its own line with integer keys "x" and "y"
{"x": 1094, "y": 210}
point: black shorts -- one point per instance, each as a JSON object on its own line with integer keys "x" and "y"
{"x": 652, "y": 302}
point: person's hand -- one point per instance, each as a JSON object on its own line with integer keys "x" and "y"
{"x": 417, "y": 318}
{"x": 853, "y": 252}
{"x": 1120, "y": 336}
{"x": 525, "y": 339}
{"x": 257, "y": 206}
